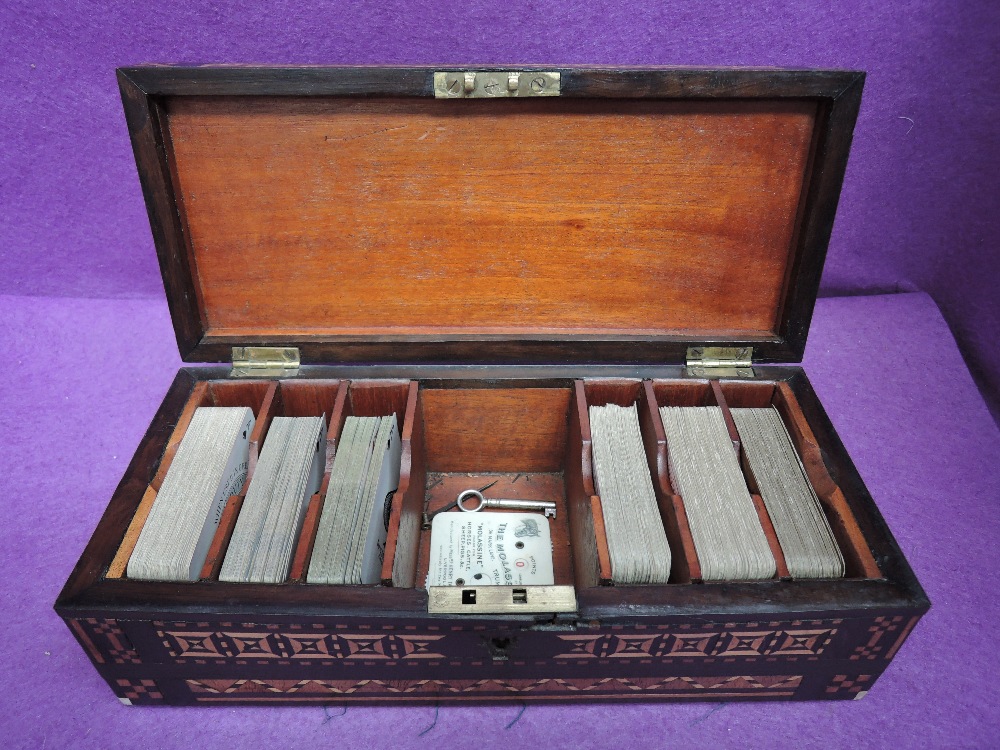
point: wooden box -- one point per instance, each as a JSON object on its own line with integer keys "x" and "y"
{"x": 485, "y": 253}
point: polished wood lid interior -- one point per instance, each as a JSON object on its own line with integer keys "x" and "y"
{"x": 339, "y": 216}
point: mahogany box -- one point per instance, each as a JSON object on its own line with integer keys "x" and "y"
{"x": 485, "y": 253}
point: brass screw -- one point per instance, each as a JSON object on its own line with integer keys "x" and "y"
{"x": 537, "y": 84}
{"x": 454, "y": 86}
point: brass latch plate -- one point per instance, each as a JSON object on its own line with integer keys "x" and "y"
{"x": 265, "y": 361}
{"x": 720, "y": 361}
{"x": 459, "y": 84}
{"x": 494, "y": 600}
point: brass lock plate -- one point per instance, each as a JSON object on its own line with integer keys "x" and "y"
{"x": 520, "y": 600}
{"x": 459, "y": 84}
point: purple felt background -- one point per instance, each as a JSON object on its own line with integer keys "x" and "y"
{"x": 918, "y": 212}
{"x": 919, "y": 207}
{"x": 920, "y": 436}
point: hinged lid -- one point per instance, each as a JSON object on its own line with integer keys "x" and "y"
{"x": 365, "y": 215}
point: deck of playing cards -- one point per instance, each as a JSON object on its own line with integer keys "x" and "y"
{"x": 806, "y": 540}
{"x": 209, "y": 466}
{"x": 637, "y": 542}
{"x": 705, "y": 472}
{"x": 288, "y": 473}
{"x": 350, "y": 537}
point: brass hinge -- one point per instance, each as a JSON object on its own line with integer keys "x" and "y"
{"x": 265, "y": 361}
{"x": 720, "y": 361}
{"x": 458, "y": 84}
{"x": 478, "y": 600}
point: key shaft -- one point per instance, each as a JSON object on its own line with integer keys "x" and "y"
{"x": 547, "y": 507}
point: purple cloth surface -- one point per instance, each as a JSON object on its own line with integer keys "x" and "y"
{"x": 919, "y": 203}
{"x": 86, "y": 376}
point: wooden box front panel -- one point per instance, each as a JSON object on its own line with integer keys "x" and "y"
{"x": 429, "y": 660}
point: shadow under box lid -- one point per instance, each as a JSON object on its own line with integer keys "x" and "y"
{"x": 350, "y": 213}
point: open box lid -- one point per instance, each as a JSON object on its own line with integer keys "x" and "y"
{"x": 441, "y": 215}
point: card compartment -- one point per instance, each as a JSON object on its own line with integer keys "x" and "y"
{"x": 283, "y": 398}
{"x": 337, "y": 400}
{"x": 858, "y": 559}
{"x": 514, "y": 437}
{"x": 367, "y": 398}
{"x": 628, "y": 392}
{"x": 690, "y": 392}
{"x": 258, "y": 395}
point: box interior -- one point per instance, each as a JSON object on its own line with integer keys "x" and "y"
{"x": 528, "y": 439}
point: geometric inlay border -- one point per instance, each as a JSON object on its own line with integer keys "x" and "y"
{"x": 297, "y": 645}
{"x": 726, "y": 643}
{"x": 142, "y": 691}
{"x": 856, "y": 685}
{"x": 746, "y": 641}
{"x": 887, "y": 635}
{"x": 105, "y": 638}
{"x": 243, "y": 689}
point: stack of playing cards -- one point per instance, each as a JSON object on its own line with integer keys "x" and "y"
{"x": 705, "y": 472}
{"x": 637, "y": 543}
{"x": 209, "y": 466}
{"x": 350, "y": 538}
{"x": 289, "y": 471}
{"x": 802, "y": 529}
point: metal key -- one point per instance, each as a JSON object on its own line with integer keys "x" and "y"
{"x": 546, "y": 506}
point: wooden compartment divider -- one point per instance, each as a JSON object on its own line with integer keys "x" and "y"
{"x": 591, "y": 564}
{"x": 781, "y": 565}
{"x": 727, "y": 416}
{"x": 307, "y": 534}
{"x": 604, "y": 576}
{"x": 268, "y": 410}
{"x": 402, "y": 543}
{"x": 223, "y": 535}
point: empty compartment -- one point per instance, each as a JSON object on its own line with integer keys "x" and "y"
{"x": 510, "y": 436}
